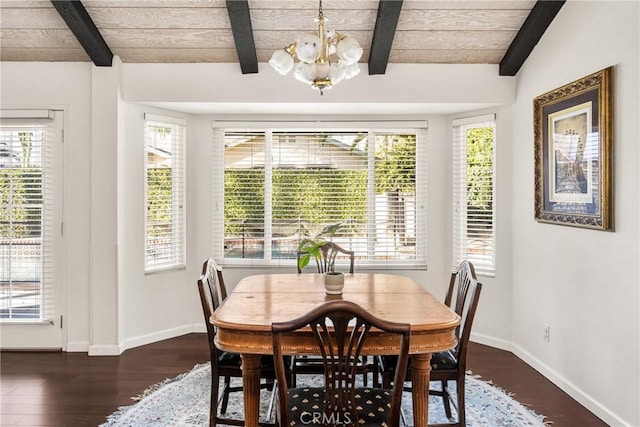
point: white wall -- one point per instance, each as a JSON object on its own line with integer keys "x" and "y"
{"x": 402, "y": 83}
{"x": 583, "y": 283}
{"x": 161, "y": 305}
{"x": 105, "y": 328}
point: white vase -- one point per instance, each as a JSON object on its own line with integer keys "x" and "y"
{"x": 333, "y": 283}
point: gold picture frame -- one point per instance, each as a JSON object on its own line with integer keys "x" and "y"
{"x": 573, "y": 135}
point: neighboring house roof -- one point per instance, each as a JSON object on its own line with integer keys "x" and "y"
{"x": 9, "y": 158}
{"x": 247, "y": 151}
{"x": 158, "y": 157}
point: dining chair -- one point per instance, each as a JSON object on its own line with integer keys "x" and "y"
{"x": 211, "y": 287}
{"x": 340, "y": 329}
{"x": 450, "y": 365}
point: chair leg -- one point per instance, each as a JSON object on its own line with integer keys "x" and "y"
{"x": 365, "y": 370}
{"x": 462, "y": 419}
{"x": 292, "y": 377}
{"x": 213, "y": 409}
{"x": 387, "y": 378}
{"x": 445, "y": 398}
{"x": 225, "y": 395}
{"x": 291, "y": 380}
{"x": 376, "y": 372}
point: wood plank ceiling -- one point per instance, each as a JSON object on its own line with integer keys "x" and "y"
{"x": 189, "y": 31}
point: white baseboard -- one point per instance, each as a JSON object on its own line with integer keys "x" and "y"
{"x": 78, "y": 347}
{"x": 155, "y": 337}
{"x": 490, "y": 341}
{"x": 576, "y": 393}
{"x": 199, "y": 328}
{"x": 116, "y": 350}
{"x": 104, "y": 350}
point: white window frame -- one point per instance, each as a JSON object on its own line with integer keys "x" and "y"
{"x": 50, "y": 294}
{"x": 177, "y": 253}
{"x": 485, "y": 264}
{"x": 419, "y": 127}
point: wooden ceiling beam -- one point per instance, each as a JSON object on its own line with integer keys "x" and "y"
{"x": 385, "y": 30}
{"x": 240, "y": 18}
{"x": 83, "y": 27}
{"x": 539, "y": 19}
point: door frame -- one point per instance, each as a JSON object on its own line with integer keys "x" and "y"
{"x": 37, "y": 335}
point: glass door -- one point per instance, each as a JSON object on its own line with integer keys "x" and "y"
{"x": 31, "y": 229}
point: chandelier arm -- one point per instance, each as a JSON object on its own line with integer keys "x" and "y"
{"x": 291, "y": 49}
{"x": 338, "y": 37}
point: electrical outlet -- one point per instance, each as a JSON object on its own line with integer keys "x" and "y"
{"x": 546, "y": 331}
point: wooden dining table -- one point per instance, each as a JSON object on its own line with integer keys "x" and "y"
{"x": 244, "y": 321}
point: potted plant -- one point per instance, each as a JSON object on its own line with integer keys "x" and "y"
{"x": 321, "y": 249}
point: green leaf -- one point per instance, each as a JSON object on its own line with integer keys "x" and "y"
{"x": 316, "y": 252}
{"x": 304, "y": 260}
{"x": 308, "y": 245}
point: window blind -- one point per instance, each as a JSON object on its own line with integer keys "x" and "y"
{"x": 165, "y": 232}
{"x": 26, "y": 220}
{"x": 473, "y": 193}
{"x": 281, "y": 186}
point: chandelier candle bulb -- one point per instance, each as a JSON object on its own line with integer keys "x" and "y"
{"x": 326, "y": 58}
{"x": 282, "y": 61}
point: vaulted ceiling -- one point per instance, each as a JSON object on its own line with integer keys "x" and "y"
{"x": 248, "y": 31}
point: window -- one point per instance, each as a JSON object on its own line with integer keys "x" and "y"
{"x": 164, "y": 193}
{"x": 280, "y": 186}
{"x": 473, "y": 192}
{"x": 30, "y": 207}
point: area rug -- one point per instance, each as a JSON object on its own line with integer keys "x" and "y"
{"x": 184, "y": 401}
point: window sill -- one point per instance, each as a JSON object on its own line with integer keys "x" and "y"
{"x": 261, "y": 264}
{"x": 165, "y": 270}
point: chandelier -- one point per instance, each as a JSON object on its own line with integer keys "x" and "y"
{"x": 317, "y": 54}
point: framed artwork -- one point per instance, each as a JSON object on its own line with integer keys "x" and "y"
{"x": 573, "y": 148}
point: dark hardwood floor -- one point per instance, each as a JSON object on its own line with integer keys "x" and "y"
{"x": 73, "y": 389}
{"x": 510, "y": 373}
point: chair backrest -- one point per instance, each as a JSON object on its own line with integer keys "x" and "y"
{"x": 466, "y": 288}
{"x": 210, "y": 297}
{"x": 340, "y": 329}
{"x": 222, "y": 287}
{"x": 330, "y": 252}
